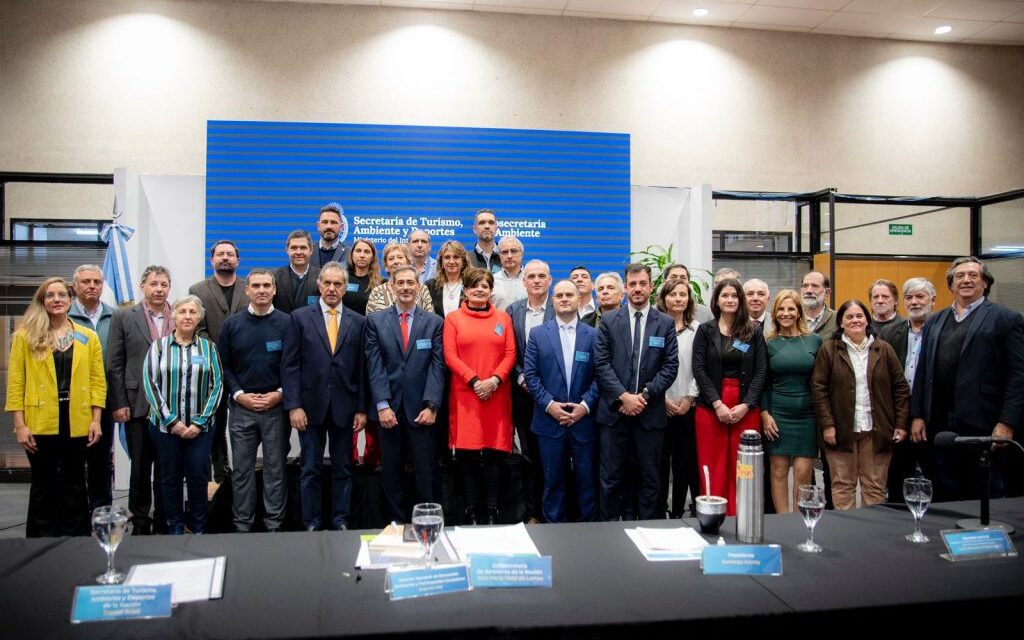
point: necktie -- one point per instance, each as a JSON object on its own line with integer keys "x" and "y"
{"x": 568, "y": 345}
{"x": 405, "y": 331}
{"x": 332, "y": 330}
{"x": 636, "y": 351}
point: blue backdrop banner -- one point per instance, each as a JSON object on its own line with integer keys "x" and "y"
{"x": 565, "y": 194}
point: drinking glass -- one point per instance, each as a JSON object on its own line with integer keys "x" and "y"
{"x": 918, "y": 494}
{"x": 108, "y": 527}
{"x": 811, "y": 502}
{"x": 427, "y": 522}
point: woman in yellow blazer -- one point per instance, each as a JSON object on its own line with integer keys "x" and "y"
{"x": 56, "y": 389}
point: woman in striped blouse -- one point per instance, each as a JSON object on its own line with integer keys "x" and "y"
{"x": 182, "y": 378}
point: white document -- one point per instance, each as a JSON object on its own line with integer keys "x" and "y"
{"x": 492, "y": 540}
{"x": 190, "y": 580}
{"x": 659, "y": 545}
{"x": 444, "y": 553}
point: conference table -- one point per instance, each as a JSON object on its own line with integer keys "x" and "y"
{"x": 303, "y": 585}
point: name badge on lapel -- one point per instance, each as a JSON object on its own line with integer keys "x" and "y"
{"x": 656, "y": 342}
{"x": 423, "y": 343}
{"x": 81, "y": 337}
{"x": 312, "y": 299}
{"x": 353, "y": 287}
{"x": 200, "y": 361}
{"x": 499, "y": 329}
{"x": 274, "y": 345}
{"x": 741, "y": 346}
{"x": 582, "y": 356}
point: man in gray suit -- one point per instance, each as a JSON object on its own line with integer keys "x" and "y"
{"x": 331, "y": 227}
{"x": 132, "y": 331}
{"x": 223, "y": 294}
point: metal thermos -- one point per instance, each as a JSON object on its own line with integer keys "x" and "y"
{"x": 750, "y": 488}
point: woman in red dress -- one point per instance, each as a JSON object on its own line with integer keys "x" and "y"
{"x": 480, "y": 351}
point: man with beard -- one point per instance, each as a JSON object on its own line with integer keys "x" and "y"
{"x": 485, "y": 255}
{"x": 820, "y": 318}
{"x": 87, "y": 309}
{"x": 296, "y": 281}
{"x": 330, "y": 247}
{"x": 758, "y": 297}
{"x": 905, "y": 338}
{"x": 882, "y": 295}
{"x": 223, "y": 295}
{"x": 419, "y": 245}
{"x": 969, "y": 380}
{"x": 580, "y": 276}
{"x": 508, "y": 281}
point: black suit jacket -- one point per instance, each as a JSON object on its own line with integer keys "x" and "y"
{"x": 990, "y": 375}
{"x": 314, "y": 378}
{"x": 896, "y": 335}
{"x": 406, "y": 380}
{"x": 284, "y": 299}
{"x": 216, "y": 310}
{"x": 707, "y": 366}
{"x": 659, "y": 364}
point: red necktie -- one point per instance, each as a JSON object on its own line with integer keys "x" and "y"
{"x": 405, "y": 331}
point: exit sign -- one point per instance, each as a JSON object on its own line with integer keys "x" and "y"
{"x": 901, "y": 229}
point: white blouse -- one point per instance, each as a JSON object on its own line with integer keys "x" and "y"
{"x": 684, "y": 385}
{"x": 859, "y": 358}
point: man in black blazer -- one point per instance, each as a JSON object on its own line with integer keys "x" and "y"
{"x": 332, "y": 227}
{"x": 636, "y": 360}
{"x": 405, "y": 364}
{"x": 969, "y": 380}
{"x": 132, "y": 331}
{"x": 905, "y": 338}
{"x": 223, "y": 294}
{"x": 322, "y": 372}
{"x": 528, "y": 314}
{"x": 296, "y": 281}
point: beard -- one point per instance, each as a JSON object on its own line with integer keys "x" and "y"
{"x": 813, "y": 303}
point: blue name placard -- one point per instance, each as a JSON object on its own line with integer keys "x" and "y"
{"x": 657, "y": 342}
{"x": 971, "y": 544}
{"x": 81, "y": 337}
{"x": 312, "y": 299}
{"x": 353, "y": 287}
{"x": 740, "y": 346}
{"x": 499, "y": 329}
{"x": 582, "y": 356}
{"x": 510, "y": 571}
{"x": 423, "y": 343}
{"x": 119, "y": 602}
{"x": 745, "y": 560}
{"x": 274, "y": 345}
{"x": 200, "y": 361}
{"x": 417, "y": 583}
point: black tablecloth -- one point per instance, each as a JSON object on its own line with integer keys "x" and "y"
{"x": 303, "y": 584}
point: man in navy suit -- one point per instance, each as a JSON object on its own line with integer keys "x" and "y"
{"x": 324, "y": 394}
{"x": 405, "y": 363}
{"x": 559, "y": 371}
{"x": 636, "y": 358}
{"x": 969, "y": 380}
{"x": 528, "y": 314}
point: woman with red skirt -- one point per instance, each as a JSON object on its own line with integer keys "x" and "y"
{"x": 730, "y": 364}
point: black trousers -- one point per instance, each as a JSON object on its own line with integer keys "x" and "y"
{"x": 145, "y": 466}
{"x": 100, "y": 465}
{"x": 617, "y": 442}
{"x": 57, "y": 501}
{"x": 219, "y": 451}
{"x": 679, "y": 455}
{"x": 481, "y": 476}
{"x": 418, "y": 443}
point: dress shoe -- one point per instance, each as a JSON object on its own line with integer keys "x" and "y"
{"x": 492, "y": 515}
{"x": 312, "y": 527}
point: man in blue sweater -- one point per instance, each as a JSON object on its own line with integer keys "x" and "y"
{"x": 250, "y": 346}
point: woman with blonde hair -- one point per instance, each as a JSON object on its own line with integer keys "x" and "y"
{"x": 363, "y": 275}
{"x": 56, "y": 389}
{"x": 446, "y": 287}
{"x": 787, "y": 413}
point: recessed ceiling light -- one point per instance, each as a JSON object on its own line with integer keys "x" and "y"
{"x": 943, "y": 30}
{"x": 700, "y": 13}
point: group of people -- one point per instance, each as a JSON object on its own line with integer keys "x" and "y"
{"x": 603, "y": 388}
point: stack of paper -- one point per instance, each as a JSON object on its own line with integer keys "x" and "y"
{"x": 389, "y": 549}
{"x": 190, "y": 580}
{"x": 658, "y": 545}
{"x": 512, "y": 540}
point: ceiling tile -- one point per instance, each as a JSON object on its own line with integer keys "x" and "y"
{"x": 827, "y": 5}
{"x": 926, "y": 27}
{"x": 771, "y": 27}
{"x": 863, "y": 23}
{"x": 1011, "y": 32}
{"x": 530, "y": 11}
{"x": 719, "y": 11}
{"x": 976, "y": 9}
{"x": 778, "y": 16}
{"x": 463, "y": 5}
{"x": 1017, "y": 17}
{"x": 901, "y": 7}
{"x": 554, "y": 5}
{"x": 630, "y": 8}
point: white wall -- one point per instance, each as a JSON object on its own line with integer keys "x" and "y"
{"x": 93, "y": 85}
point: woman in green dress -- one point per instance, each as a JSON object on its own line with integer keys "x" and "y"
{"x": 787, "y": 413}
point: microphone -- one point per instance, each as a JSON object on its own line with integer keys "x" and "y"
{"x": 948, "y": 439}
